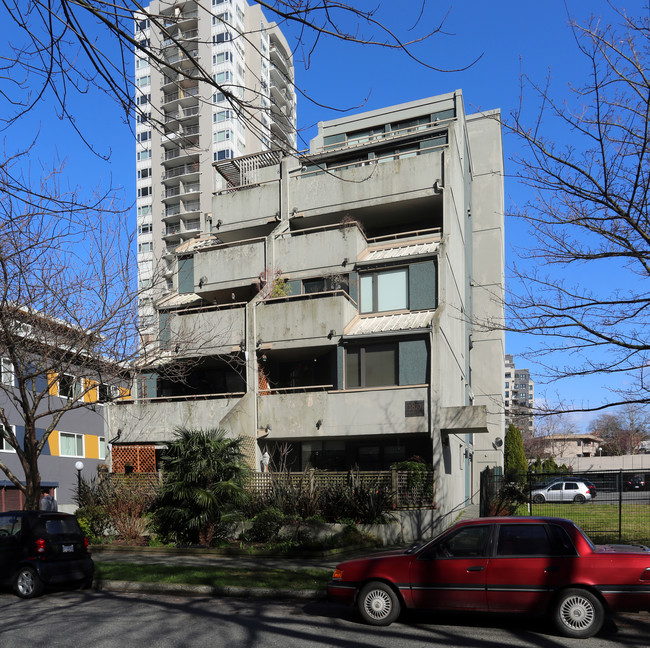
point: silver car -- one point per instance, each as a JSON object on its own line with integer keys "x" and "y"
{"x": 563, "y": 491}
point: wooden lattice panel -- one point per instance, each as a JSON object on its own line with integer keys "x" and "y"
{"x": 141, "y": 457}
{"x": 248, "y": 447}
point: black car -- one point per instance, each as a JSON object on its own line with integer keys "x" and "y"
{"x": 42, "y": 548}
{"x": 637, "y": 482}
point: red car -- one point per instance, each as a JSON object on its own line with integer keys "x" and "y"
{"x": 526, "y": 565}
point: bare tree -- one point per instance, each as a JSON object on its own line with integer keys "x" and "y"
{"x": 67, "y": 308}
{"x": 622, "y": 430}
{"x": 71, "y": 46}
{"x": 588, "y": 215}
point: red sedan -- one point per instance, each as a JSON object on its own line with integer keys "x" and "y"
{"x": 525, "y": 565}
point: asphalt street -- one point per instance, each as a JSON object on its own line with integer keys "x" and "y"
{"x": 98, "y": 619}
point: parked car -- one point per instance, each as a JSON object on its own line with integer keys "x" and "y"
{"x": 39, "y": 549}
{"x": 564, "y": 491}
{"x": 636, "y": 482}
{"x": 524, "y": 565}
{"x": 571, "y": 478}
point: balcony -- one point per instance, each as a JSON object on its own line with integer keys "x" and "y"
{"x": 181, "y": 154}
{"x": 209, "y": 331}
{"x": 371, "y": 184}
{"x": 304, "y": 320}
{"x": 151, "y": 420}
{"x": 371, "y": 412}
{"x": 252, "y": 207}
{"x": 183, "y": 170}
{"x": 228, "y": 266}
{"x": 181, "y": 114}
{"x": 320, "y": 248}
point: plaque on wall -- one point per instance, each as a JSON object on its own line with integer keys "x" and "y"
{"x": 414, "y": 408}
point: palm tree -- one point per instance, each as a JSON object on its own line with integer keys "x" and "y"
{"x": 203, "y": 474}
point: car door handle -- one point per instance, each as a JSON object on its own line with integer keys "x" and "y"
{"x": 476, "y": 568}
{"x": 548, "y": 570}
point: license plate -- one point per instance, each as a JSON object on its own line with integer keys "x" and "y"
{"x": 68, "y": 548}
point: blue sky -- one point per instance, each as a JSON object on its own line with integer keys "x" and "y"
{"x": 511, "y": 37}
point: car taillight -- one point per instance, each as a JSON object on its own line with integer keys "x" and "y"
{"x": 338, "y": 574}
{"x": 86, "y": 543}
{"x": 40, "y": 545}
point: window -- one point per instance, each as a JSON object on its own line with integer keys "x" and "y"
{"x": 524, "y": 540}
{"x": 143, "y": 81}
{"x": 147, "y": 246}
{"x": 69, "y": 386}
{"x": 143, "y": 99}
{"x": 223, "y": 136}
{"x": 71, "y": 445}
{"x": 6, "y": 372}
{"x": 144, "y": 136}
{"x": 224, "y": 76}
{"x": 144, "y": 155}
{"x": 102, "y": 447}
{"x": 144, "y": 173}
{"x": 222, "y": 19}
{"x": 371, "y": 366}
{"x": 467, "y": 542}
{"x": 226, "y": 154}
{"x": 384, "y": 291}
{"x": 143, "y": 192}
{"x": 222, "y": 57}
{"x": 145, "y": 228}
{"x": 222, "y": 115}
{"x": 107, "y": 393}
{"x": 145, "y": 210}
{"x": 224, "y": 37}
{"x": 4, "y": 444}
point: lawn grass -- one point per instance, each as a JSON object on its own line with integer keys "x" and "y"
{"x": 285, "y": 579}
{"x": 601, "y": 521}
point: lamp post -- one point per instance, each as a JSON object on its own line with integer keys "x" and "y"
{"x": 600, "y": 451}
{"x": 79, "y": 467}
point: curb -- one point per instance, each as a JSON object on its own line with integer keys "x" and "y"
{"x": 207, "y": 590}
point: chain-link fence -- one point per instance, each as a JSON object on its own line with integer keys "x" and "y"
{"x": 607, "y": 505}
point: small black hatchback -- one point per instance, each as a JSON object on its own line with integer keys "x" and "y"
{"x": 42, "y": 548}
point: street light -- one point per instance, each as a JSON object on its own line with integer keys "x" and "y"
{"x": 600, "y": 451}
{"x": 79, "y": 466}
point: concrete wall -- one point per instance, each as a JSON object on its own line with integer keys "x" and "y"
{"x": 228, "y": 266}
{"x": 307, "y": 253}
{"x": 300, "y": 322}
{"x": 343, "y": 414}
{"x": 154, "y": 420}
{"x": 209, "y": 331}
{"x": 365, "y": 186}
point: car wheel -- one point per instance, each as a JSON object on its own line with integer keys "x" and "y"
{"x": 27, "y": 584}
{"x": 539, "y": 499}
{"x": 580, "y": 499}
{"x": 578, "y": 613}
{"x": 378, "y": 604}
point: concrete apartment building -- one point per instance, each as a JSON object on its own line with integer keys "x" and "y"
{"x": 184, "y": 125}
{"x": 328, "y": 317}
{"x": 519, "y": 397}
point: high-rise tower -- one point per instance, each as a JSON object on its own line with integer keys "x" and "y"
{"x": 184, "y": 123}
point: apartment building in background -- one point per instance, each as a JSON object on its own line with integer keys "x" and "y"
{"x": 519, "y": 397}
{"x": 184, "y": 125}
{"x": 328, "y": 319}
